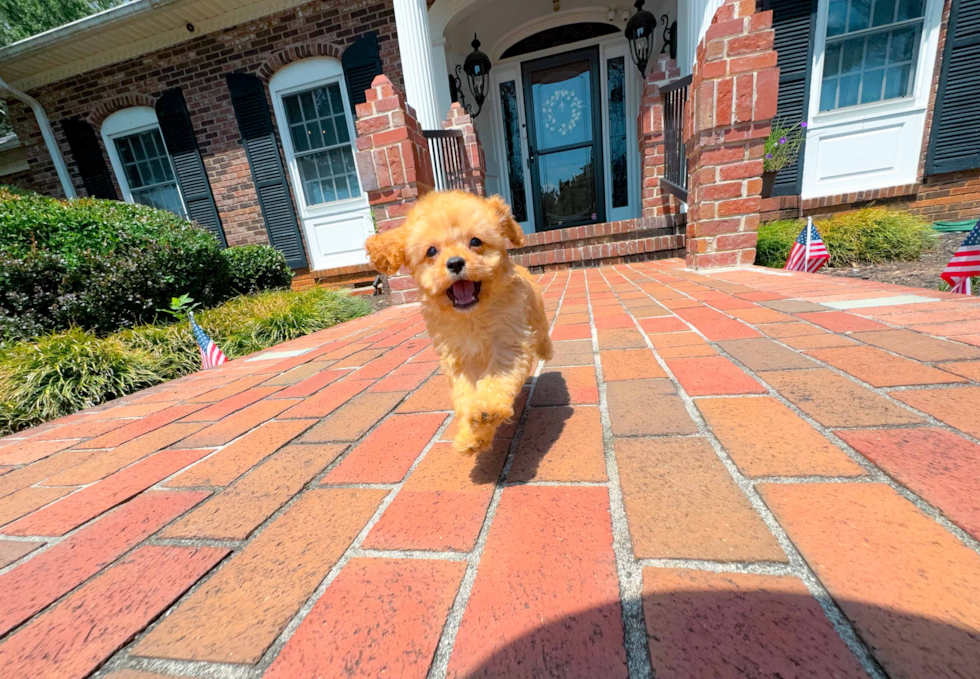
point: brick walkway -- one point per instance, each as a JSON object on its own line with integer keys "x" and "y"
{"x": 716, "y": 476}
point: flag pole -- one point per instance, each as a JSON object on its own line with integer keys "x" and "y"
{"x": 806, "y": 253}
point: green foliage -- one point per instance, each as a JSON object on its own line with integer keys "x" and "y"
{"x": 871, "y": 235}
{"x": 61, "y": 373}
{"x": 783, "y": 144}
{"x": 181, "y": 307}
{"x": 21, "y": 19}
{"x": 254, "y": 268}
{"x": 66, "y": 372}
{"x": 97, "y": 264}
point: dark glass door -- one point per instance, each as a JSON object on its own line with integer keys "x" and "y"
{"x": 564, "y": 118}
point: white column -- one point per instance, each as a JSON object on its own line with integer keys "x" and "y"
{"x": 439, "y": 64}
{"x": 412, "y": 25}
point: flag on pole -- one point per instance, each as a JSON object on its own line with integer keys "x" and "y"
{"x": 211, "y": 355}
{"x": 965, "y": 263}
{"x": 808, "y": 253}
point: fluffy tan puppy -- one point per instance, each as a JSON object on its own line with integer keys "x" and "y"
{"x": 484, "y": 313}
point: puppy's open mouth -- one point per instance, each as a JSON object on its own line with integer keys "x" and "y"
{"x": 464, "y": 294}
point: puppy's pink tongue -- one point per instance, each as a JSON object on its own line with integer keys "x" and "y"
{"x": 463, "y": 292}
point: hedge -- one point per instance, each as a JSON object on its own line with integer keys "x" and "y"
{"x": 103, "y": 265}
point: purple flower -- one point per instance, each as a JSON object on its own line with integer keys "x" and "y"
{"x": 768, "y": 155}
{"x": 782, "y": 140}
{"x": 803, "y": 124}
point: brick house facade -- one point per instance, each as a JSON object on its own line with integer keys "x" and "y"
{"x": 199, "y": 66}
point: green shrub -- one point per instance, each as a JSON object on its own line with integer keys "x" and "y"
{"x": 775, "y": 242}
{"x": 61, "y": 373}
{"x": 249, "y": 324}
{"x": 254, "y": 268}
{"x": 97, "y": 264}
{"x": 870, "y": 235}
{"x": 66, "y": 372}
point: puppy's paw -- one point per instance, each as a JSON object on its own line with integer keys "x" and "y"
{"x": 470, "y": 442}
{"x": 488, "y": 413}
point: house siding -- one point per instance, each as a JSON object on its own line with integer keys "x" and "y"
{"x": 199, "y": 67}
{"x": 951, "y": 196}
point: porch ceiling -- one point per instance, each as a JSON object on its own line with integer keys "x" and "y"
{"x": 122, "y": 33}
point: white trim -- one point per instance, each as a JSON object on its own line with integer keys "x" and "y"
{"x": 868, "y": 146}
{"x": 342, "y": 221}
{"x": 54, "y": 150}
{"x": 126, "y": 122}
{"x": 13, "y": 167}
{"x": 598, "y": 15}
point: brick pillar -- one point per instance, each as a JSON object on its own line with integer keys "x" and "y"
{"x": 731, "y": 100}
{"x": 650, "y": 133}
{"x": 475, "y": 173}
{"x": 394, "y": 165}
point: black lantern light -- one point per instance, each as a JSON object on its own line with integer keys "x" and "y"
{"x": 670, "y": 36}
{"x": 640, "y": 32}
{"x": 477, "y": 69}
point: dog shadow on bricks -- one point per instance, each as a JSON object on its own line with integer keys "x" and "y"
{"x": 711, "y": 625}
{"x": 549, "y": 410}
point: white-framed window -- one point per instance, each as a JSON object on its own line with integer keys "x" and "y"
{"x": 140, "y": 159}
{"x": 870, "y": 52}
{"x": 317, "y": 128}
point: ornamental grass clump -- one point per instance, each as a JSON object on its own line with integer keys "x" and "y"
{"x": 871, "y": 235}
{"x": 62, "y": 372}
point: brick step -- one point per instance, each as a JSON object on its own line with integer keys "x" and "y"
{"x": 358, "y": 279}
{"x": 608, "y": 243}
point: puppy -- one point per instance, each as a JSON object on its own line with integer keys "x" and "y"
{"x": 484, "y": 313}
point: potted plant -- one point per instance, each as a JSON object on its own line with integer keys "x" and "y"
{"x": 782, "y": 148}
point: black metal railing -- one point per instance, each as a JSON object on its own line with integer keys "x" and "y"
{"x": 448, "y": 158}
{"x": 674, "y": 97}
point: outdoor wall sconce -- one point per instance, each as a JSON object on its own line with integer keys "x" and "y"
{"x": 670, "y": 37}
{"x": 477, "y": 69}
{"x": 640, "y": 33}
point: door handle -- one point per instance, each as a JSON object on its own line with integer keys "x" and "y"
{"x": 530, "y": 154}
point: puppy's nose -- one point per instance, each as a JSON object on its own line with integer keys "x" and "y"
{"x": 455, "y": 264}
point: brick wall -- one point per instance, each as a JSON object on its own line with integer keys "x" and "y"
{"x": 199, "y": 66}
{"x": 731, "y": 100}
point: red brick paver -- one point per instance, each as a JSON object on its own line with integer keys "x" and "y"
{"x": 644, "y": 510}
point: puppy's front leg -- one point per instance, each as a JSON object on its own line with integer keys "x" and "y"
{"x": 489, "y": 406}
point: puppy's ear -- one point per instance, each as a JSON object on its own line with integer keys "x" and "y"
{"x": 510, "y": 228}
{"x": 387, "y": 250}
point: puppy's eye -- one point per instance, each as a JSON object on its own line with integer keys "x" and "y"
{"x": 432, "y": 252}
{"x": 475, "y": 243}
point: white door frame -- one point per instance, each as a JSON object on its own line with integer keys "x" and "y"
{"x": 347, "y": 221}
{"x": 610, "y": 46}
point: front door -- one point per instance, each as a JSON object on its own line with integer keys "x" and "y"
{"x": 564, "y": 122}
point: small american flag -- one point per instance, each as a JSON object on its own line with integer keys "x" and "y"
{"x": 808, "y": 253}
{"x": 211, "y": 355}
{"x": 964, "y": 264}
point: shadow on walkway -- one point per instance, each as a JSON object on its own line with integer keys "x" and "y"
{"x": 731, "y": 629}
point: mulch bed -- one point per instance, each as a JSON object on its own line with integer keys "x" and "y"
{"x": 923, "y": 273}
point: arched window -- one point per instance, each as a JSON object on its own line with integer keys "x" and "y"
{"x": 140, "y": 159}
{"x": 317, "y": 129}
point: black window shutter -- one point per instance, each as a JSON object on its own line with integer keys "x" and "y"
{"x": 88, "y": 156}
{"x": 362, "y": 64}
{"x": 175, "y": 124}
{"x": 255, "y": 125}
{"x": 955, "y": 140}
{"x": 794, "y": 22}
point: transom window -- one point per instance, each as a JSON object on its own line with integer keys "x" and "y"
{"x": 149, "y": 172}
{"x": 320, "y": 133}
{"x": 870, "y": 52}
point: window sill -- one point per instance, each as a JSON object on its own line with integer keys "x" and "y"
{"x": 878, "y": 109}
